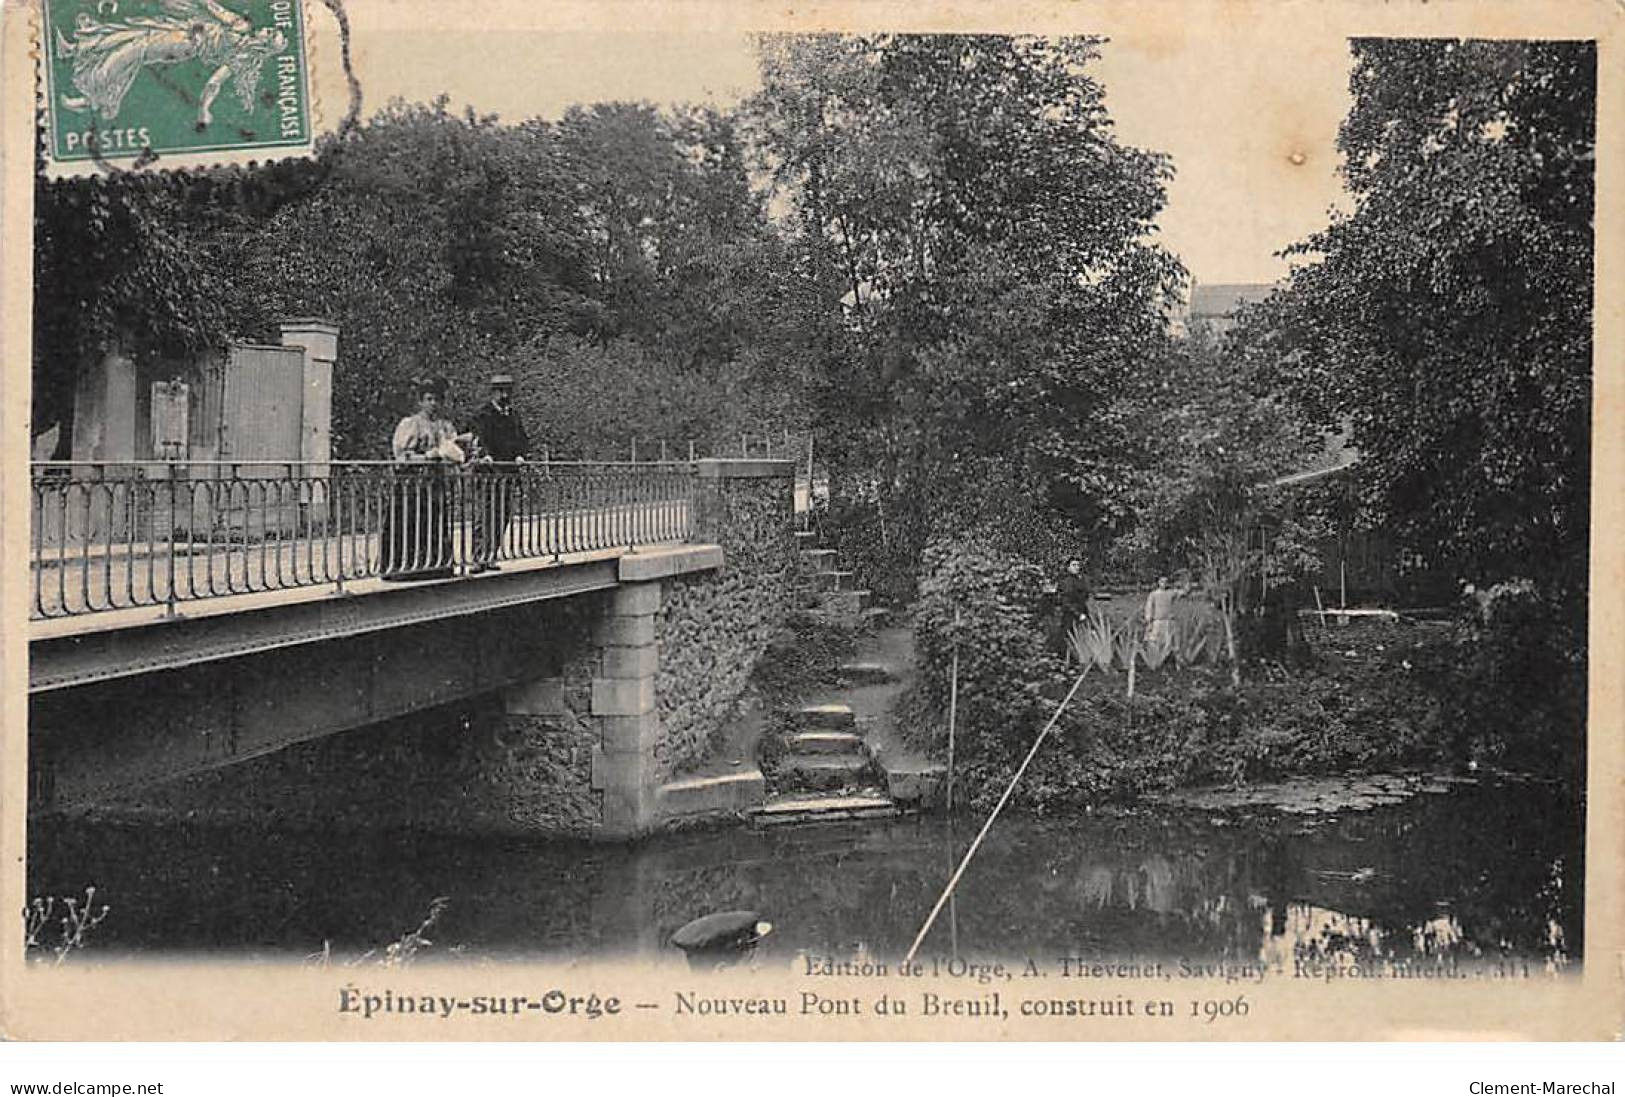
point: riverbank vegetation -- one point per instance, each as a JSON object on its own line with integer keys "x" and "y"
{"x": 1471, "y": 693}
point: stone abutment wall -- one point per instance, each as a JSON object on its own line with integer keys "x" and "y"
{"x": 464, "y": 767}
{"x": 712, "y": 627}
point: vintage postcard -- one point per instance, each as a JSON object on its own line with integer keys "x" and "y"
{"x": 630, "y": 521}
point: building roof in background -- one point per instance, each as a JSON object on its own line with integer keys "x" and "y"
{"x": 1225, "y": 298}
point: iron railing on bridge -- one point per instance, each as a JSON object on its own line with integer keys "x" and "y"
{"x": 111, "y": 536}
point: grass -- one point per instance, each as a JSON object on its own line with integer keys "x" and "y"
{"x": 397, "y": 954}
{"x": 72, "y": 920}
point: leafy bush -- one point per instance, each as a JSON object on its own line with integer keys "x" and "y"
{"x": 1192, "y": 727}
{"x": 1510, "y": 681}
{"x": 1103, "y": 641}
{"x": 1093, "y": 641}
{"x": 985, "y": 603}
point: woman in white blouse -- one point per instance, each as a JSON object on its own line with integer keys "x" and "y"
{"x": 424, "y": 435}
{"x": 416, "y": 542}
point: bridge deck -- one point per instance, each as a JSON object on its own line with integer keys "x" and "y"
{"x": 74, "y": 651}
{"x": 86, "y": 589}
{"x": 249, "y": 601}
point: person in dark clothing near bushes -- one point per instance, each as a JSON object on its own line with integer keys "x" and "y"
{"x": 1073, "y": 591}
{"x": 1071, "y": 604}
{"x": 503, "y": 447}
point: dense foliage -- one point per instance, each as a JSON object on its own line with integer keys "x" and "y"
{"x": 983, "y": 604}
{"x": 1206, "y": 512}
{"x": 617, "y": 260}
{"x": 1510, "y": 683}
{"x": 949, "y": 271}
{"x": 117, "y": 263}
{"x": 1446, "y": 321}
{"x": 991, "y": 242}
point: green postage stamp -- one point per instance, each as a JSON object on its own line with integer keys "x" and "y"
{"x": 174, "y": 83}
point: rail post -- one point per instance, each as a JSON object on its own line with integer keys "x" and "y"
{"x": 953, "y": 710}
{"x": 169, "y": 551}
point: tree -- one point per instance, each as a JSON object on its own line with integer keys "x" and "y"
{"x": 119, "y": 265}
{"x": 1206, "y": 503}
{"x": 1446, "y": 321}
{"x": 684, "y": 258}
{"x": 985, "y": 241}
{"x": 435, "y": 241}
{"x": 624, "y": 237}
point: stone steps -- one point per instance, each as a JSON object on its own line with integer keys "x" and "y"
{"x": 825, "y": 742}
{"x": 874, "y": 617}
{"x": 824, "y": 758}
{"x": 827, "y": 592}
{"x": 814, "y": 563}
{"x": 835, "y": 717}
{"x": 701, "y": 796}
{"x": 849, "y": 602}
{"x": 823, "y": 809}
{"x": 865, "y": 674}
{"x": 823, "y": 771}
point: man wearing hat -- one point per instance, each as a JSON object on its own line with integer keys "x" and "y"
{"x": 503, "y": 447}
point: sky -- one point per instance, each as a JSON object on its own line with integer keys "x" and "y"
{"x": 1251, "y": 129}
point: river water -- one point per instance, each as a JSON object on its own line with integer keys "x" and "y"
{"x": 1482, "y": 873}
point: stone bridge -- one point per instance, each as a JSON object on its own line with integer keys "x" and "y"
{"x": 561, "y": 694}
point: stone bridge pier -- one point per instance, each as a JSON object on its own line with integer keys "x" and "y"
{"x": 604, "y": 700}
{"x": 566, "y": 715}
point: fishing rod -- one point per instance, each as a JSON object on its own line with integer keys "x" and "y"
{"x": 974, "y": 846}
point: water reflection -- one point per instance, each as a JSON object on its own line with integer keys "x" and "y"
{"x": 1424, "y": 883}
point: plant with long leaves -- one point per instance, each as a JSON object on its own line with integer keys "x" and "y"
{"x": 1093, "y": 641}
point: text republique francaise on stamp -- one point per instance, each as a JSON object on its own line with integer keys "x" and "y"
{"x": 173, "y": 83}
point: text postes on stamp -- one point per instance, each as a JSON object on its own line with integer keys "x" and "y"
{"x": 173, "y": 83}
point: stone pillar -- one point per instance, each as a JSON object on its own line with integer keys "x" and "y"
{"x": 545, "y": 750}
{"x": 726, "y": 488}
{"x": 623, "y": 705}
{"x": 320, "y": 342}
{"x": 104, "y": 405}
{"x": 104, "y": 429}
